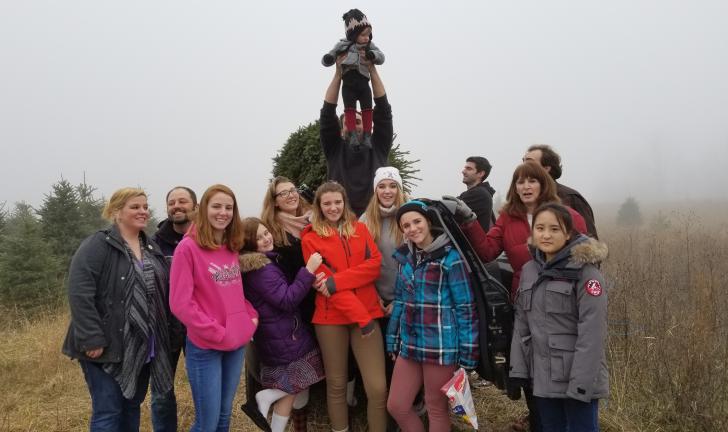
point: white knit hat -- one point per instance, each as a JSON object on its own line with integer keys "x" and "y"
{"x": 387, "y": 173}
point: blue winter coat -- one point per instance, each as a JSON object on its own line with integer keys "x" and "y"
{"x": 434, "y": 319}
{"x": 282, "y": 336}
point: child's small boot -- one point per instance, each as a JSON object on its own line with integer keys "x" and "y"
{"x": 367, "y": 140}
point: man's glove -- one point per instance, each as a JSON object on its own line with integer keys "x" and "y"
{"x": 514, "y": 386}
{"x": 370, "y": 55}
{"x": 460, "y": 211}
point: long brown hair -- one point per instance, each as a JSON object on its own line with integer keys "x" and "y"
{"x": 347, "y": 223}
{"x": 232, "y": 237}
{"x": 514, "y": 206}
{"x": 270, "y": 211}
{"x": 250, "y": 233}
{"x": 373, "y": 216}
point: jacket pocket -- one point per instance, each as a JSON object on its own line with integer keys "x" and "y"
{"x": 238, "y": 331}
{"x": 561, "y": 356}
{"x": 559, "y": 298}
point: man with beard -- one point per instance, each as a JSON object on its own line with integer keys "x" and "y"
{"x": 181, "y": 203}
{"x": 479, "y": 196}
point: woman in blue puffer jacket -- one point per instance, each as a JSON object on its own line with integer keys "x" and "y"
{"x": 290, "y": 360}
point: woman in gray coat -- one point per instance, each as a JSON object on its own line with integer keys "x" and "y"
{"x": 561, "y": 324}
{"x": 118, "y": 287}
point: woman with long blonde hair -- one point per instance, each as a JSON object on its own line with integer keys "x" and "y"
{"x": 380, "y": 219}
{"x": 347, "y": 304}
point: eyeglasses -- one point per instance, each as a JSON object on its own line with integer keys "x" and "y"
{"x": 286, "y": 193}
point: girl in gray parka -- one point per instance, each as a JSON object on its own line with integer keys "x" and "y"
{"x": 355, "y": 74}
{"x": 560, "y": 328}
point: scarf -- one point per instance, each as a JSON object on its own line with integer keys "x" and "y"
{"x": 145, "y": 329}
{"x": 387, "y": 212}
{"x": 293, "y": 225}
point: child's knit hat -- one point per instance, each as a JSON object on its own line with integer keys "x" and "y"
{"x": 355, "y": 22}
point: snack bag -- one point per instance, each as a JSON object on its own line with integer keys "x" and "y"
{"x": 458, "y": 394}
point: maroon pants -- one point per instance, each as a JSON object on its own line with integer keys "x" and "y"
{"x": 407, "y": 379}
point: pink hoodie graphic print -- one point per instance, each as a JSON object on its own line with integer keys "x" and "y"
{"x": 206, "y": 294}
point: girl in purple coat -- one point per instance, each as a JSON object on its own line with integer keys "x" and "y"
{"x": 290, "y": 360}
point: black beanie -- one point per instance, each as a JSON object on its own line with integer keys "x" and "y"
{"x": 415, "y": 206}
{"x": 355, "y": 22}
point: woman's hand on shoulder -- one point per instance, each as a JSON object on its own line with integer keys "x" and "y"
{"x": 314, "y": 261}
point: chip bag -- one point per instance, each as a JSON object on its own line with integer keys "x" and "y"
{"x": 458, "y": 394}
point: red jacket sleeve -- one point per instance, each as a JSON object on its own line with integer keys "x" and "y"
{"x": 487, "y": 246}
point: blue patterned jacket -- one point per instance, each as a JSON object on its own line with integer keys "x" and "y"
{"x": 434, "y": 319}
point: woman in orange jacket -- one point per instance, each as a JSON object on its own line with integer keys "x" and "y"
{"x": 347, "y": 304}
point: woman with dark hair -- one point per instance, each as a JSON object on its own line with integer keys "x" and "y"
{"x": 434, "y": 325}
{"x": 118, "y": 285}
{"x": 289, "y": 358}
{"x": 531, "y": 186}
{"x": 347, "y": 306}
{"x": 207, "y": 296}
{"x": 560, "y": 330}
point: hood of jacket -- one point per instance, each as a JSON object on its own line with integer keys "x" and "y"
{"x": 251, "y": 261}
{"x": 578, "y": 252}
{"x": 488, "y": 187}
{"x": 434, "y": 250}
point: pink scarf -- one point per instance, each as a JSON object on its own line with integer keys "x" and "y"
{"x": 293, "y": 225}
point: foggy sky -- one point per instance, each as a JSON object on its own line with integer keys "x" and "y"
{"x": 632, "y": 93}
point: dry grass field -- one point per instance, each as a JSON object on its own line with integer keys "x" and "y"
{"x": 668, "y": 345}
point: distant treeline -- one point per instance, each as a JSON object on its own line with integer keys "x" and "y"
{"x": 36, "y": 244}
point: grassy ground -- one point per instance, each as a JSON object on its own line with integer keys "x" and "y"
{"x": 45, "y": 391}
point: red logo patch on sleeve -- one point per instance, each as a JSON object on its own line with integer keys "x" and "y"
{"x": 593, "y": 287}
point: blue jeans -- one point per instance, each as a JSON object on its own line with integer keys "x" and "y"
{"x": 111, "y": 411}
{"x": 164, "y": 405}
{"x": 568, "y": 415}
{"x": 214, "y": 377}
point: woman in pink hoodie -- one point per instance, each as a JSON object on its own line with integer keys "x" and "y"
{"x": 206, "y": 294}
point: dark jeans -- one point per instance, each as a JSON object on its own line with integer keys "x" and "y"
{"x": 164, "y": 406}
{"x": 534, "y": 419}
{"x": 214, "y": 376}
{"x": 568, "y": 415}
{"x": 111, "y": 411}
{"x": 355, "y": 87}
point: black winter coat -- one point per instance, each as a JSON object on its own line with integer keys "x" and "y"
{"x": 96, "y": 285}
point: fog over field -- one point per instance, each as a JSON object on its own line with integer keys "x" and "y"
{"x": 632, "y": 93}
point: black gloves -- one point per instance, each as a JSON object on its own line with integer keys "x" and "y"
{"x": 514, "y": 386}
{"x": 370, "y": 55}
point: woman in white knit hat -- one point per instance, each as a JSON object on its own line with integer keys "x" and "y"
{"x": 380, "y": 218}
